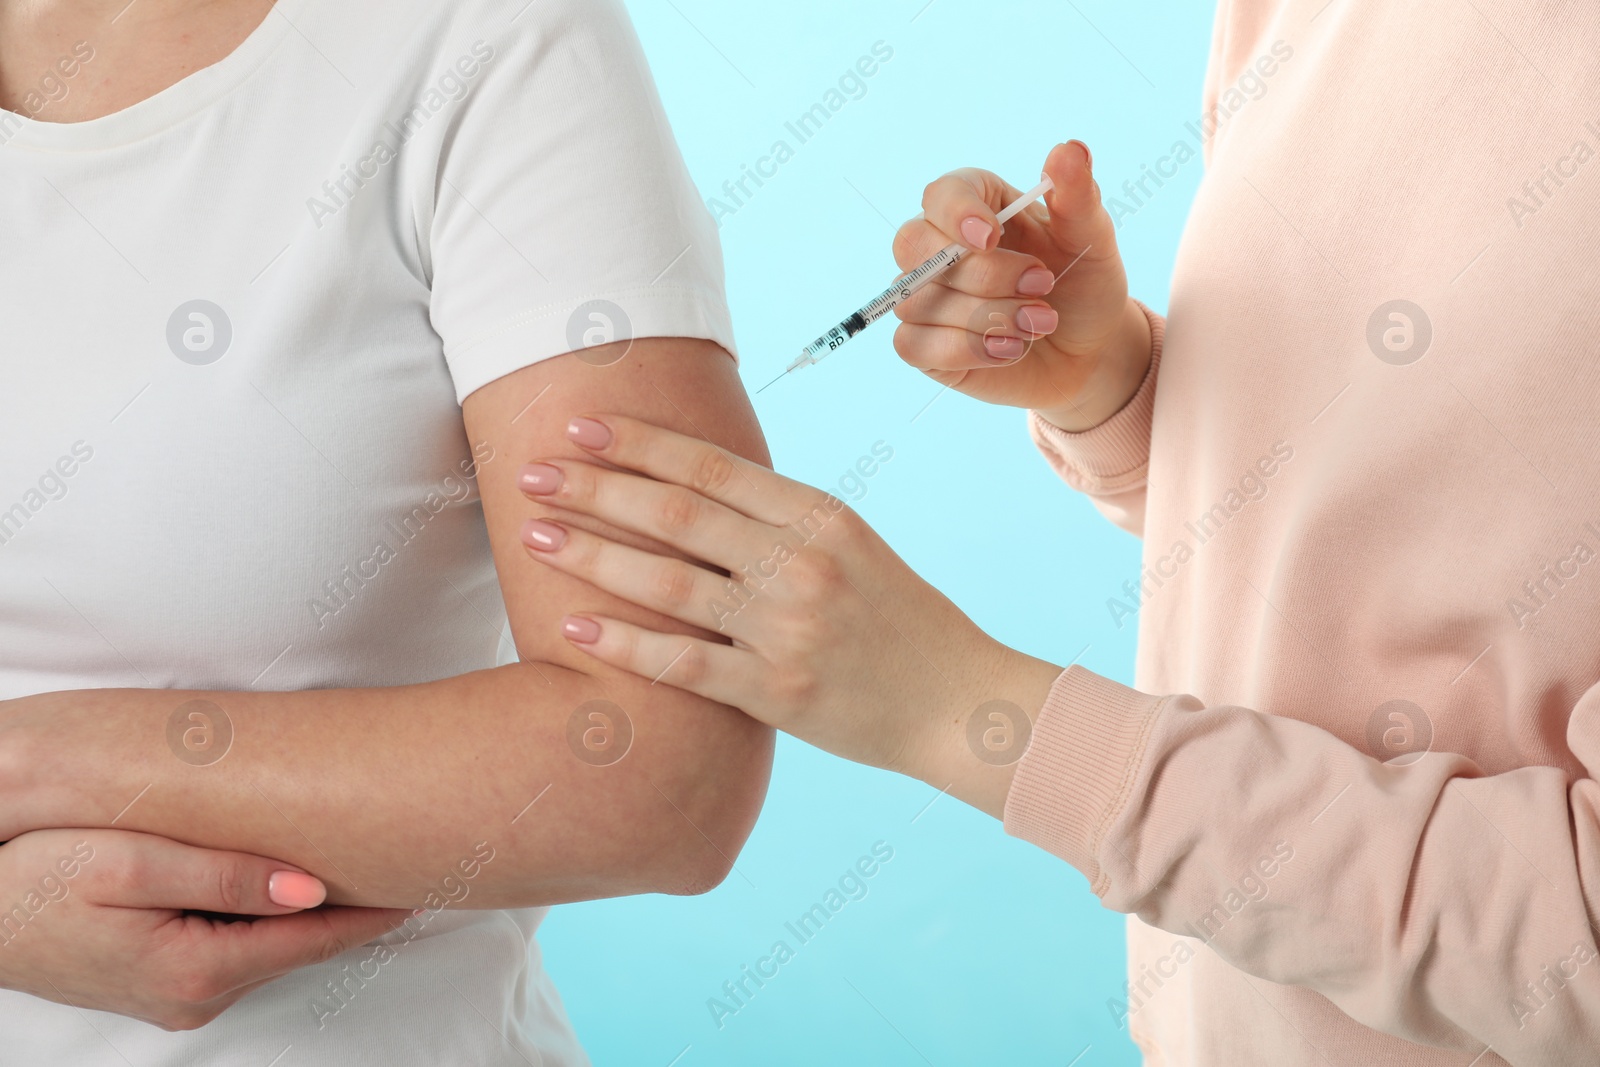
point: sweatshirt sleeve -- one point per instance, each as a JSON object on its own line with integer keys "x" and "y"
{"x": 1423, "y": 897}
{"x": 1111, "y": 462}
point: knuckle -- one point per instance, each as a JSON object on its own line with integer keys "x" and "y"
{"x": 230, "y": 886}
{"x": 845, "y": 528}
{"x": 674, "y": 585}
{"x": 712, "y": 472}
{"x": 807, "y": 632}
{"x": 189, "y": 991}
{"x": 326, "y": 941}
{"x": 586, "y": 555}
{"x": 987, "y": 277}
{"x": 817, "y": 574}
{"x": 677, "y": 512}
{"x": 626, "y": 643}
{"x": 904, "y": 342}
{"x": 796, "y": 687}
{"x": 579, "y": 485}
{"x": 692, "y": 667}
{"x": 906, "y": 244}
{"x": 329, "y": 946}
{"x": 121, "y": 874}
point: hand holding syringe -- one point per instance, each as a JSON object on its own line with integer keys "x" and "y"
{"x": 904, "y": 287}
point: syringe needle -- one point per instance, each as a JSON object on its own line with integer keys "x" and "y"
{"x": 770, "y": 384}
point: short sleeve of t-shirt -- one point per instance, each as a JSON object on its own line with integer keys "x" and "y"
{"x": 564, "y": 216}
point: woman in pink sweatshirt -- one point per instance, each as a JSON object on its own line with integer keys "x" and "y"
{"x": 1351, "y": 805}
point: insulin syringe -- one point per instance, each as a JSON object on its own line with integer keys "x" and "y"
{"x": 903, "y": 289}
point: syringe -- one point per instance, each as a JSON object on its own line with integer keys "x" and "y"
{"x": 904, "y": 287}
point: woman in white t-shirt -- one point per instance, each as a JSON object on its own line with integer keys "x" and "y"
{"x": 288, "y": 294}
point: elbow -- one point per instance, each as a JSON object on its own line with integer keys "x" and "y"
{"x": 708, "y": 807}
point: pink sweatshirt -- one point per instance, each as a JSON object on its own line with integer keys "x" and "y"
{"x": 1368, "y": 832}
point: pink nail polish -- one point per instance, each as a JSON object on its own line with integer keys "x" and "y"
{"x": 543, "y": 536}
{"x": 540, "y": 479}
{"x": 1039, "y": 321}
{"x": 1006, "y": 348}
{"x": 588, "y": 433}
{"x": 1036, "y": 281}
{"x": 583, "y": 631}
{"x": 977, "y": 233}
{"x": 291, "y": 889}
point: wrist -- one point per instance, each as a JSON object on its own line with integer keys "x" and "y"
{"x": 971, "y": 750}
{"x": 1120, "y": 370}
{"x": 44, "y": 742}
{"x": 23, "y": 776}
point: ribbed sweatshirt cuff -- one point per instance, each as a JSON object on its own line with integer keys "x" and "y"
{"x": 1080, "y": 767}
{"x": 1114, "y": 456}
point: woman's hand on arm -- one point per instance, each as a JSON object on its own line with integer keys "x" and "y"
{"x": 1036, "y": 317}
{"x": 391, "y": 796}
{"x": 105, "y": 920}
{"x": 835, "y": 639}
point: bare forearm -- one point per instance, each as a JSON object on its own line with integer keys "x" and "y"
{"x": 385, "y": 793}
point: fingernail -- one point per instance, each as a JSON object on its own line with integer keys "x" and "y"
{"x": 1088, "y": 159}
{"x": 543, "y": 536}
{"x": 419, "y": 913}
{"x": 588, "y": 433}
{"x": 1007, "y": 348}
{"x": 583, "y": 631}
{"x": 977, "y": 233}
{"x": 1039, "y": 321}
{"x": 540, "y": 479}
{"x": 291, "y": 889}
{"x": 1036, "y": 281}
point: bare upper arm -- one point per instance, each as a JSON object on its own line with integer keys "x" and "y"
{"x": 691, "y": 386}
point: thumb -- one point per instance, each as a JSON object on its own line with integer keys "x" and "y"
{"x": 145, "y": 871}
{"x": 1079, "y": 223}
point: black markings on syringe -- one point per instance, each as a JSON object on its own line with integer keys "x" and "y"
{"x": 898, "y": 294}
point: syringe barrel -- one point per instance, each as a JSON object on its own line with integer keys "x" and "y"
{"x": 910, "y": 283}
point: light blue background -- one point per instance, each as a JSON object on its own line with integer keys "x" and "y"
{"x": 970, "y": 947}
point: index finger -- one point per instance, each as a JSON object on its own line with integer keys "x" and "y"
{"x": 240, "y": 954}
{"x": 965, "y": 204}
{"x": 713, "y": 472}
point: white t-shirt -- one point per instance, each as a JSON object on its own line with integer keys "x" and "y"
{"x": 236, "y": 320}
